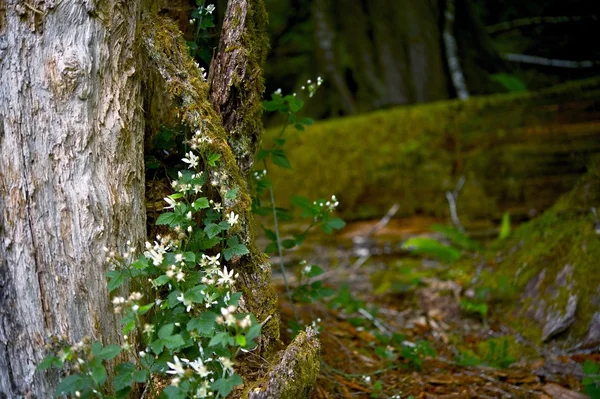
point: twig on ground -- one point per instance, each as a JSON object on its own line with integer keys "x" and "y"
{"x": 452, "y": 196}
{"x": 363, "y": 239}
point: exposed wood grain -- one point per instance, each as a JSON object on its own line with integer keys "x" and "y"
{"x": 71, "y": 174}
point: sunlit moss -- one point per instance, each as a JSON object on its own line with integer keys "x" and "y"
{"x": 413, "y": 155}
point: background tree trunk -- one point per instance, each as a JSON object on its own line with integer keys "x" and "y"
{"x": 71, "y": 174}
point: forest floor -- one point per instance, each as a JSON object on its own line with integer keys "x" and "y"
{"x": 414, "y": 333}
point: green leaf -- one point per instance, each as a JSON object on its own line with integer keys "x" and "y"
{"x": 173, "y": 392}
{"x": 295, "y": 103}
{"x": 240, "y": 340}
{"x": 140, "y": 263}
{"x": 280, "y": 142}
{"x": 157, "y": 346}
{"x": 457, "y": 237}
{"x": 161, "y": 280}
{"x": 213, "y": 158}
{"x": 314, "y": 271}
{"x": 511, "y": 83}
{"x": 231, "y": 194}
{"x": 430, "y": 247}
{"x": 128, "y": 327}
{"x": 279, "y": 158}
{"x": 299, "y": 126}
{"x": 166, "y": 218}
{"x": 166, "y": 330}
{"x": 140, "y": 376}
{"x": 173, "y": 341}
{"x": 271, "y": 248}
{"x": 123, "y": 393}
{"x": 96, "y": 348}
{"x": 69, "y": 384}
{"x": 253, "y": 332}
{"x": 99, "y": 373}
{"x": 200, "y": 203}
{"x": 212, "y": 230}
{"x": 48, "y": 362}
{"x": 144, "y": 309}
{"x": 116, "y": 279}
{"x": 222, "y": 338}
{"x": 234, "y": 247}
{"x": 270, "y": 234}
{"x": 195, "y": 294}
{"x": 590, "y": 368}
{"x": 505, "y": 227}
{"x": 288, "y": 243}
{"x": 204, "y": 324}
{"x": 307, "y": 121}
{"x": 109, "y": 352}
{"x": 189, "y": 257}
{"x": 302, "y": 203}
{"x": 300, "y": 238}
{"x": 333, "y": 224}
{"x": 263, "y": 154}
{"x": 226, "y": 385}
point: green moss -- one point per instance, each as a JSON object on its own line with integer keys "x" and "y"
{"x": 295, "y": 374}
{"x": 509, "y": 147}
{"x": 169, "y": 57}
{"x": 558, "y": 252}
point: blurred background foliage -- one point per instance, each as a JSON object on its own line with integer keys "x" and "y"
{"x": 375, "y": 54}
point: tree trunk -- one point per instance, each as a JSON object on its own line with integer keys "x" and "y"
{"x": 71, "y": 175}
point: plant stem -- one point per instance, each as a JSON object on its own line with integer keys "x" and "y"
{"x": 280, "y": 251}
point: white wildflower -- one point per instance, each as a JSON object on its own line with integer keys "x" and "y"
{"x": 176, "y": 367}
{"x": 191, "y": 159}
{"x": 232, "y": 218}
{"x": 225, "y": 277}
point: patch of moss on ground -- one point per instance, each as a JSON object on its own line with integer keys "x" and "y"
{"x": 513, "y": 149}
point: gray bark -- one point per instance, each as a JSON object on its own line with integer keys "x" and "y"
{"x": 71, "y": 174}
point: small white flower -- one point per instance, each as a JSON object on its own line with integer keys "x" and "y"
{"x": 227, "y": 365}
{"x": 232, "y": 218}
{"x": 225, "y": 277}
{"x": 176, "y": 367}
{"x": 246, "y": 322}
{"x": 180, "y": 276}
{"x": 186, "y": 302}
{"x": 172, "y": 203}
{"x": 200, "y": 368}
{"x": 191, "y": 159}
{"x": 179, "y": 258}
{"x": 210, "y": 8}
{"x": 214, "y": 260}
{"x": 217, "y": 207}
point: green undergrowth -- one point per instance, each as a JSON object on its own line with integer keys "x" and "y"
{"x": 513, "y": 149}
{"x": 564, "y": 238}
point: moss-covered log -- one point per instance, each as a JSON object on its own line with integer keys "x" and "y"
{"x": 553, "y": 263}
{"x": 518, "y": 152}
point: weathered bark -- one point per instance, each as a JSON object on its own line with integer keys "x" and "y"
{"x": 71, "y": 174}
{"x": 236, "y": 77}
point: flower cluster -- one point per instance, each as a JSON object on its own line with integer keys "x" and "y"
{"x": 312, "y": 87}
{"x": 330, "y": 205}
